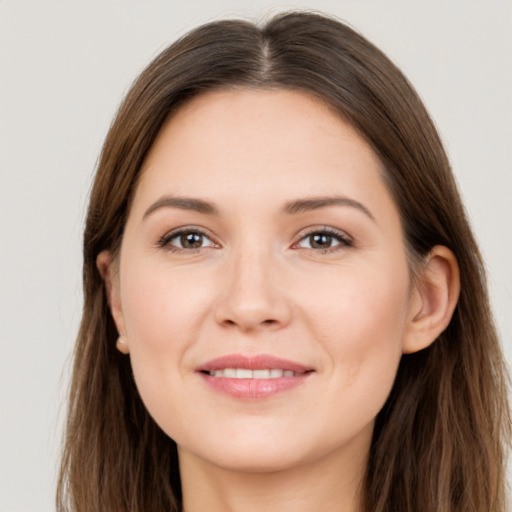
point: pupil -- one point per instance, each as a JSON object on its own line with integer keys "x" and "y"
{"x": 191, "y": 240}
{"x": 320, "y": 241}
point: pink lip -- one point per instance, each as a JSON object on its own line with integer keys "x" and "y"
{"x": 259, "y": 362}
{"x": 253, "y": 389}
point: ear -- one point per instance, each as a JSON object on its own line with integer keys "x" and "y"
{"x": 110, "y": 275}
{"x": 433, "y": 299}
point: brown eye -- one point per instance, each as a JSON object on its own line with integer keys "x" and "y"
{"x": 320, "y": 241}
{"x": 324, "y": 240}
{"x": 186, "y": 240}
{"x": 191, "y": 240}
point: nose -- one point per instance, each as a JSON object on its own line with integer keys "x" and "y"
{"x": 252, "y": 294}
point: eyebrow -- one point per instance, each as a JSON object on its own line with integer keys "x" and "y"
{"x": 182, "y": 203}
{"x": 314, "y": 203}
{"x": 293, "y": 207}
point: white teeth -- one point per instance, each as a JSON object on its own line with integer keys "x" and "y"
{"x": 261, "y": 374}
{"x": 244, "y": 373}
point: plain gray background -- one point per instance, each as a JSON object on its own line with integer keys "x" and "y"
{"x": 64, "y": 67}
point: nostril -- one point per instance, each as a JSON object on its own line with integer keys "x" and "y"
{"x": 269, "y": 322}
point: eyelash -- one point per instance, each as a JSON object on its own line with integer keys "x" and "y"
{"x": 344, "y": 241}
{"x": 165, "y": 241}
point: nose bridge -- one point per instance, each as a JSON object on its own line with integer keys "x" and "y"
{"x": 253, "y": 269}
{"x": 252, "y": 295}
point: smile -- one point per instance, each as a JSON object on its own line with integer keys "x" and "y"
{"x": 253, "y": 378}
{"x": 245, "y": 373}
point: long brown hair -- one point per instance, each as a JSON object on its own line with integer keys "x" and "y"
{"x": 439, "y": 442}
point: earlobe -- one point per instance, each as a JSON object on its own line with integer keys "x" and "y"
{"x": 433, "y": 299}
{"x": 122, "y": 345}
{"x": 108, "y": 271}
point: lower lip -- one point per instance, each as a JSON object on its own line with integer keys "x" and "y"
{"x": 253, "y": 389}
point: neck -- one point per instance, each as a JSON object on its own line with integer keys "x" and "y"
{"x": 329, "y": 484}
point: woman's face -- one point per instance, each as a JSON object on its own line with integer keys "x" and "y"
{"x": 263, "y": 286}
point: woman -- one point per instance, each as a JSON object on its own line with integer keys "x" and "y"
{"x": 284, "y": 303}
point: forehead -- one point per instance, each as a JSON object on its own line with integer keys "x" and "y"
{"x": 252, "y": 117}
{"x": 252, "y": 144}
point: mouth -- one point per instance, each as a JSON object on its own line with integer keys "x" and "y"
{"x": 254, "y": 377}
{"x": 245, "y": 373}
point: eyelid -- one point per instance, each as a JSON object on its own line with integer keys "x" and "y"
{"x": 344, "y": 239}
{"x": 164, "y": 241}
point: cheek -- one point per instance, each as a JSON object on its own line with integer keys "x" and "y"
{"x": 161, "y": 306}
{"x": 361, "y": 324}
{"x": 163, "y": 317}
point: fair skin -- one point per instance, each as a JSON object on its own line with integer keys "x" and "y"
{"x": 294, "y": 251}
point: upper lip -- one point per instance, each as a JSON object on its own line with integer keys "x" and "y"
{"x": 257, "y": 362}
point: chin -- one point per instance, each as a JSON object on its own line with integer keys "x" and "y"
{"x": 249, "y": 450}
{"x": 251, "y": 459}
